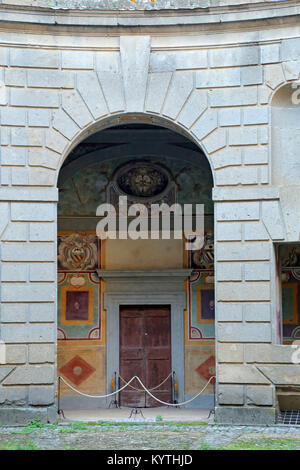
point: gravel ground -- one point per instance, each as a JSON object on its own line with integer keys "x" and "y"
{"x": 139, "y": 436}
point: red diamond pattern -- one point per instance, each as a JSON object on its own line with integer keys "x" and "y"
{"x": 207, "y": 368}
{"x": 77, "y": 370}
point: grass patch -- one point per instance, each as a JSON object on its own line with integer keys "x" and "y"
{"x": 265, "y": 443}
{"x": 31, "y": 427}
{"x": 10, "y": 445}
{"x": 78, "y": 426}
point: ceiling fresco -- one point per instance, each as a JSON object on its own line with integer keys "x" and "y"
{"x": 81, "y": 193}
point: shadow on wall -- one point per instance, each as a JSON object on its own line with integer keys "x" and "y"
{"x": 285, "y": 154}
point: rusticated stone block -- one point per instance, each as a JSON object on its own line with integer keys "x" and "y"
{"x": 73, "y": 104}
{"x": 16, "y": 354}
{"x": 29, "y": 333}
{"x": 21, "y": 416}
{"x": 34, "y": 98}
{"x": 43, "y": 232}
{"x": 230, "y": 352}
{"x": 234, "y": 56}
{"x": 229, "y": 272}
{"x": 179, "y": 90}
{"x": 234, "y": 251}
{"x": 50, "y": 79}
{"x": 240, "y": 374}
{"x": 64, "y": 124}
{"x": 41, "y": 353}
{"x": 13, "y": 313}
{"x": 282, "y": 374}
{"x": 233, "y": 97}
{"x": 25, "y": 252}
{"x": 41, "y": 395}
{"x": 13, "y": 396}
{"x": 229, "y": 231}
{"x": 258, "y": 312}
{"x": 77, "y": 60}
{"x": 15, "y": 232}
{"x": 195, "y": 105}
{"x": 260, "y": 415}
{"x": 257, "y": 271}
{"x": 27, "y": 375}
{"x": 238, "y": 292}
{"x": 259, "y": 395}
{"x": 244, "y": 333}
{"x": 269, "y": 353}
{"x": 34, "y": 58}
{"x": 32, "y": 211}
{"x": 231, "y": 395}
{"x": 238, "y": 211}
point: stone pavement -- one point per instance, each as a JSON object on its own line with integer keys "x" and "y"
{"x": 187, "y": 415}
{"x": 112, "y": 436}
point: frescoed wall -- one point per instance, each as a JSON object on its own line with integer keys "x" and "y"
{"x": 81, "y": 193}
{"x": 289, "y": 259}
{"x": 81, "y": 319}
{"x": 200, "y": 316}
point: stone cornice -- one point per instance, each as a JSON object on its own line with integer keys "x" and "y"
{"x": 149, "y": 273}
{"x": 201, "y": 18}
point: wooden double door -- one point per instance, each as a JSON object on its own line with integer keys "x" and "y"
{"x": 145, "y": 351}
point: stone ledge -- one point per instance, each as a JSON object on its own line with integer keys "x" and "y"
{"x": 204, "y": 12}
{"x": 241, "y": 415}
{"x": 21, "y": 416}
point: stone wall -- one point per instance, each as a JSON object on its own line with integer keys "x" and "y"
{"x": 217, "y": 90}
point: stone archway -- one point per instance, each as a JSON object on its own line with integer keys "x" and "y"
{"x": 131, "y": 83}
{"x": 164, "y": 289}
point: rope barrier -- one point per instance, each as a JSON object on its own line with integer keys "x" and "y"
{"x": 175, "y": 404}
{"x": 145, "y": 389}
{"x": 96, "y": 396}
{"x": 150, "y": 389}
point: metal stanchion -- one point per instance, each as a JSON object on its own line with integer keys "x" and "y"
{"x": 175, "y": 385}
{"x": 212, "y": 411}
{"x": 59, "y": 410}
{"x": 114, "y": 388}
{"x": 172, "y": 389}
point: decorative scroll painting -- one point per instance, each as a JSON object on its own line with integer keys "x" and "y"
{"x": 201, "y": 291}
{"x": 79, "y": 288}
{"x": 201, "y": 306}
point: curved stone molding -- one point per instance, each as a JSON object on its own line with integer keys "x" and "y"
{"x": 204, "y": 12}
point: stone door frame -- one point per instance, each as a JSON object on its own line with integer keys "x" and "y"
{"x": 145, "y": 288}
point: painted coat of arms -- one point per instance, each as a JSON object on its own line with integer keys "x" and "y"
{"x": 77, "y": 251}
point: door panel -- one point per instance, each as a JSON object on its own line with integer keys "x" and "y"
{"x": 145, "y": 351}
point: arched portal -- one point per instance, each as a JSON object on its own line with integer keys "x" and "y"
{"x": 134, "y": 306}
